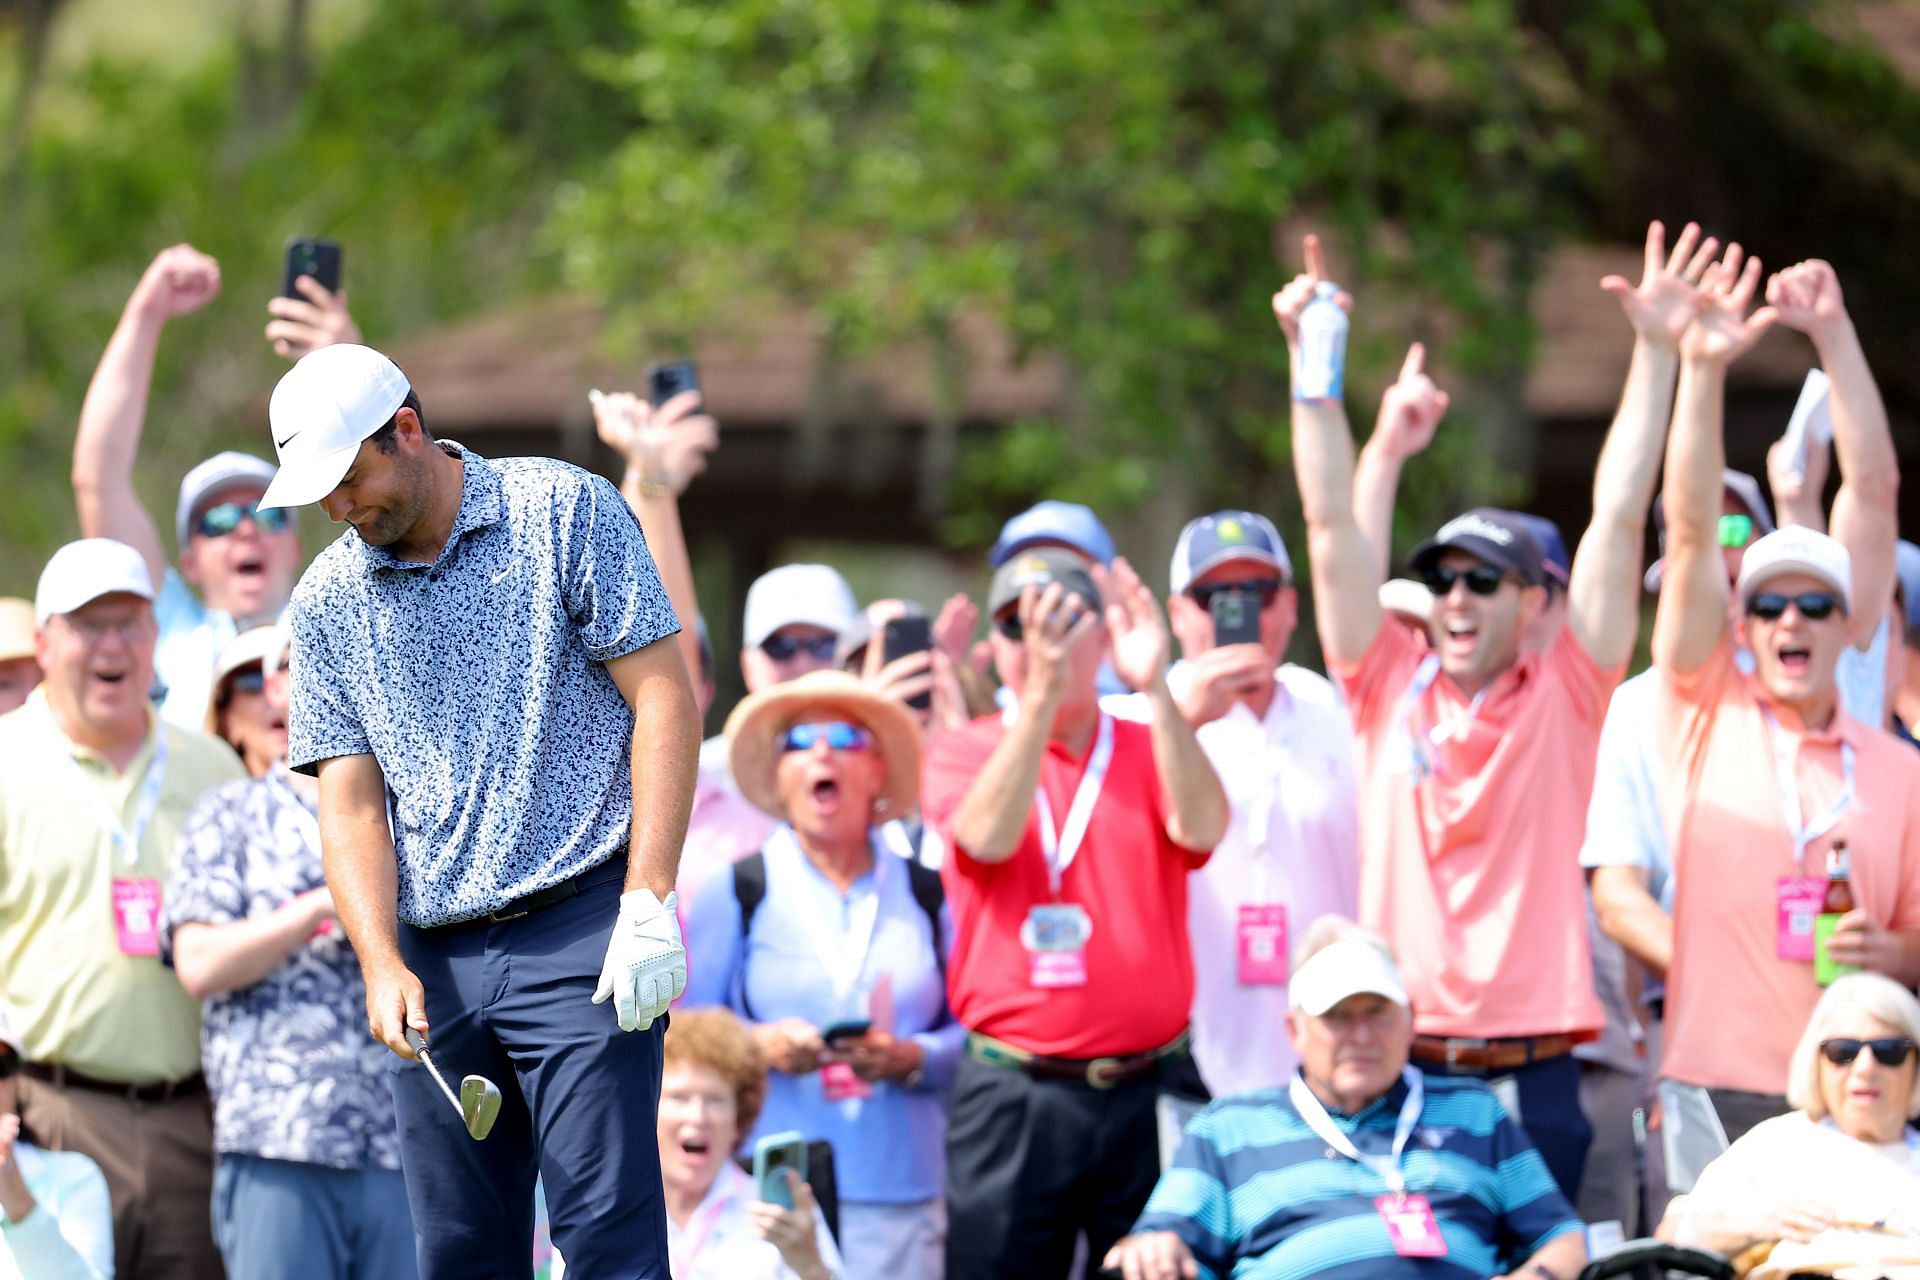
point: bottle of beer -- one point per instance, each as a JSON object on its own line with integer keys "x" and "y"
{"x": 1837, "y": 903}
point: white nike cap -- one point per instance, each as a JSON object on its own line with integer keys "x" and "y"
{"x": 81, "y": 572}
{"x": 324, "y": 407}
{"x": 811, "y": 594}
{"x": 1349, "y": 967}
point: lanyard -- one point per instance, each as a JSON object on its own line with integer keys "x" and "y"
{"x": 1061, "y": 849}
{"x": 1787, "y": 783}
{"x": 1455, "y": 725}
{"x": 699, "y": 1228}
{"x": 1322, "y": 1124}
{"x": 124, "y": 838}
{"x": 843, "y": 955}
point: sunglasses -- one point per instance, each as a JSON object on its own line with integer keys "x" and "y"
{"x": 247, "y": 680}
{"x": 1736, "y": 531}
{"x": 1814, "y": 606}
{"x": 223, "y": 518}
{"x": 1266, "y": 588}
{"x": 1890, "y": 1052}
{"x": 783, "y": 648}
{"x": 837, "y": 734}
{"x": 1482, "y": 580}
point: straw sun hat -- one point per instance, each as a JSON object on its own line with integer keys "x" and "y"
{"x": 760, "y": 722}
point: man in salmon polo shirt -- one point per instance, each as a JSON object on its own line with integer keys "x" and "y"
{"x": 1071, "y": 834}
{"x": 1476, "y": 756}
{"x": 1763, "y": 773}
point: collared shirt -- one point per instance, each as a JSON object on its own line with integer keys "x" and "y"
{"x": 1256, "y": 1194}
{"x": 890, "y": 1148}
{"x": 69, "y": 1234}
{"x": 719, "y": 1242}
{"x": 1129, "y": 876}
{"x": 292, "y": 1072}
{"x": 191, "y": 638}
{"x": 1735, "y": 1010}
{"x": 1471, "y": 812}
{"x": 1292, "y": 840}
{"x": 479, "y": 682}
{"x": 77, "y": 1000}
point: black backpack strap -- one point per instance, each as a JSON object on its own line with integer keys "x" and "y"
{"x": 924, "y": 881}
{"x": 749, "y": 890}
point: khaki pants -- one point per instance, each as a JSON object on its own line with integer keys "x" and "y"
{"x": 158, "y": 1158}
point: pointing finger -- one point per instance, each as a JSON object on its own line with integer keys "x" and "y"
{"x": 1415, "y": 361}
{"x": 1316, "y": 260}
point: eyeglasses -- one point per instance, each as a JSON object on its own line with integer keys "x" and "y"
{"x": 1889, "y": 1052}
{"x": 223, "y": 518}
{"x": 1482, "y": 580}
{"x": 247, "y": 680}
{"x": 837, "y": 734}
{"x": 92, "y": 631}
{"x": 782, "y": 648}
{"x": 1814, "y": 606}
{"x": 1266, "y": 588}
{"x": 1736, "y": 531}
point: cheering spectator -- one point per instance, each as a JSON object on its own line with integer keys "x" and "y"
{"x": 718, "y": 1228}
{"x": 1475, "y": 755}
{"x": 1071, "y": 837}
{"x": 1764, "y": 773}
{"x": 240, "y": 559}
{"x": 93, "y": 790}
{"x": 1832, "y": 1187}
{"x": 308, "y": 1179}
{"x": 830, "y": 945}
{"x": 239, "y": 712}
{"x": 1436, "y": 1179}
{"x": 1283, "y": 747}
{"x": 19, "y": 668}
{"x": 56, "y": 1222}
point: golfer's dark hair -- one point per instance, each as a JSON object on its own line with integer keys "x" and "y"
{"x": 384, "y": 438}
{"x": 718, "y": 1041}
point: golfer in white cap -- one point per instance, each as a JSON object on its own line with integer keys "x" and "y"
{"x": 489, "y": 661}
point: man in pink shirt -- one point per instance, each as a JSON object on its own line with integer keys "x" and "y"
{"x": 1476, "y": 755}
{"x": 1765, "y": 774}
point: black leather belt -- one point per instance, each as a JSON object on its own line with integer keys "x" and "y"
{"x": 159, "y": 1091}
{"x": 540, "y": 899}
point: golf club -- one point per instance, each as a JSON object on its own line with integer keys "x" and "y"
{"x": 479, "y": 1100}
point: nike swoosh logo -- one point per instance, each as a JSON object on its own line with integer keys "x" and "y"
{"x": 281, "y": 444}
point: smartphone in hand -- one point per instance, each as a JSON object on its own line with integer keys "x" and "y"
{"x": 904, "y": 635}
{"x": 1236, "y": 617}
{"x": 773, "y": 1155}
{"x": 311, "y": 257}
{"x": 668, "y": 378}
{"x": 845, "y": 1029}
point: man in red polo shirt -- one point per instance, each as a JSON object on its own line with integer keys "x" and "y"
{"x": 1071, "y": 836}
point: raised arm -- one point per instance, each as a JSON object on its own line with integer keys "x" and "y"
{"x": 1409, "y": 411}
{"x": 356, "y": 848}
{"x": 1603, "y": 592}
{"x": 1866, "y": 515}
{"x": 1691, "y": 619}
{"x": 178, "y": 281}
{"x": 664, "y": 449}
{"x": 1345, "y": 575}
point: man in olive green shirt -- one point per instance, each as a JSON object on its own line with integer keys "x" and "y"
{"x": 94, "y": 788}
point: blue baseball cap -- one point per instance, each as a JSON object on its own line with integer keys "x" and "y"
{"x": 1223, "y": 536}
{"x": 1553, "y": 547}
{"x": 1066, "y": 524}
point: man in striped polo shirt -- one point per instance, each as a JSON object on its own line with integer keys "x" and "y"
{"x": 1363, "y": 1166}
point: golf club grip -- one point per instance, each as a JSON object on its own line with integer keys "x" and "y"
{"x": 416, "y": 1041}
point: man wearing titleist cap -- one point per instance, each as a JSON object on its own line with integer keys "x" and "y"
{"x": 19, "y": 668}
{"x": 1766, "y": 778}
{"x": 94, "y": 788}
{"x": 1281, "y": 742}
{"x": 487, "y": 683}
{"x": 1433, "y": 1178}
{"x": 1475, "y": 752}
{"x": 239, "y": 559}
{"x": 1070, "y": 836}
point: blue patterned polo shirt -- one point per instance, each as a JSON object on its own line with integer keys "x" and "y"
{"x": 478, "y": 682}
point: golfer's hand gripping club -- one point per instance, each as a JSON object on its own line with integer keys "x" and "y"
{"x": 646, "y": 965}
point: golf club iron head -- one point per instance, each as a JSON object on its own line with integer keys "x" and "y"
{"x": 479, "y": 1105}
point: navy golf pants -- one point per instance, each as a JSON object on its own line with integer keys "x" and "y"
{"x": 512, "y": 1002}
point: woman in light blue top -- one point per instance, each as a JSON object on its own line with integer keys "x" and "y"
{"x": 831, "y": 945}
{"x": 56, "y": 1222}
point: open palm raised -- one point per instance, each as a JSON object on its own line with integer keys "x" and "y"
{"x": 1135, "y": 630}
{"x": 1723, "y": 331}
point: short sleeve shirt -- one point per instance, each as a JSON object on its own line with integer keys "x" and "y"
{"x": 1735, "y": 1010}
{"x": 479, "y": 682}
{"x": 1471, "y": 813}
{"x": 1129, "y": 875}
{"x": 292, "y": 1072}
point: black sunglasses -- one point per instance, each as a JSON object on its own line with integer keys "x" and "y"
{"x": 1888, "y": 1052}
{"x": 780, "y": 648}
{"x": 1814, "y": 606}
{"x": 1482, "y": 579}
{"x": 1266, "y": 588}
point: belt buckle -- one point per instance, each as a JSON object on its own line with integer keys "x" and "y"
{"x": 1104, "y": 1073}
{"x": 501, "y": 917}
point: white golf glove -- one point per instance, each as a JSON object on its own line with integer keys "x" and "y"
{"x": 646, "y": 966}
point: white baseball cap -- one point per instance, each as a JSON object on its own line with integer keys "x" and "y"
{"x": 1349, "y": 967}
{"x": 217, "y": 472}
{"x": 324, "y": 407}
{"x": 1795, "y": 549}
{"x": 83, "y": 571}
{"x": 813, "y": 595}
